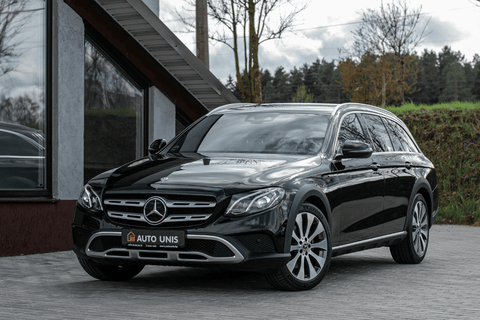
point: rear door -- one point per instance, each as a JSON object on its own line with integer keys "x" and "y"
{"x": 399, "y": 177}
{"x": 394, "y": 165}
{"x": 362, "y": 188}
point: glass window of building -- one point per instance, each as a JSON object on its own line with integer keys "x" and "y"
{"x": 114, "y": 115}
{"x": 22, "y": 95}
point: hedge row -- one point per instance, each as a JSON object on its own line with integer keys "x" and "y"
{"x": 450, "y": 138}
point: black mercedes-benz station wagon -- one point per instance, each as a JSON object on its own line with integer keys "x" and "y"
{"x": 274, "y": 188}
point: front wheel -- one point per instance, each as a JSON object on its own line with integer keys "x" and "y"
{"x": 413, "y": 248}
{"x": 110, "y": 272}
{"x": 311, "y": 251}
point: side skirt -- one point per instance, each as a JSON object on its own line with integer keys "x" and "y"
{"x": 387, "y": 240}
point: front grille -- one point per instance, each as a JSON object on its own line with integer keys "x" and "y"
{"x": 257, "y": 242}
{"x": 181, "y": 210}
{"x": 210, "y": 247}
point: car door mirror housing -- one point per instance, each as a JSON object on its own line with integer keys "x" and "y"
{"x": 356, "y": 149}
{"x": 157, "y": 145}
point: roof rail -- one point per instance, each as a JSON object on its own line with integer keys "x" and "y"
{"x": 231, "y": 105}
{"x": 363, "y": 104}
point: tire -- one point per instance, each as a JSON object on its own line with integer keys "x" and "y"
{"x": 413, "y": 248}
{"x": 311, "y": 250}
{"x": 110, "y": 272}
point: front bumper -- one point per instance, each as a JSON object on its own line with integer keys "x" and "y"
{"x": 247, "y": 244}
{"x": 201, "y": 250}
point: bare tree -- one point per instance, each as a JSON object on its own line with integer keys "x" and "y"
{"x": 391, "y": 29}
{"x": 254, "y": 21}
{"x": 11, "y": 24}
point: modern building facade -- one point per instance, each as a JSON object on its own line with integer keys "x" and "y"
{"x": 85, "y": 85}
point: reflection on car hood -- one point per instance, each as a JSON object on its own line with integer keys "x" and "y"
{"x": 230, "y": 173}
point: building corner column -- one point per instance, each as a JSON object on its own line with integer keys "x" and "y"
{"x": 67, "y": 101}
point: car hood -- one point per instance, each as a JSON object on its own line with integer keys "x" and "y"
{"x": 231, "y": 173}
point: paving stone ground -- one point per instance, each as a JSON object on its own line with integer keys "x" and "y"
{"x": 364, "y": 285}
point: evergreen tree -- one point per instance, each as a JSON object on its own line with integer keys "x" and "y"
{"x": 446, "y": 58}
{"x": 302, "y": 95}
{"x": 232, "y": 86}
{"x": 310, "y": 81}
{"x": 325, "y": 73}
{"x": 296, "y": 80}
{"x": 268, "y": 90}
{"x": 282, "y": 92}
{"x": 335, "y": 93}
{"x": 456, "y": 88}
{"x": 428, "y": 85}
{"x": 476, "y": 77}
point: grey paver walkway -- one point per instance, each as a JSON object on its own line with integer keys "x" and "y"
{"x": 365, "y": 285}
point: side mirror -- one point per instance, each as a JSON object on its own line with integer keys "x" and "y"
{"x": 157, "y": 145}
{"x": 356, "y": 149}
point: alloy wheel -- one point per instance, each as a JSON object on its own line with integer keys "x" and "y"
{"x": 420, "y": 228}
{"x": 309, "y": 247}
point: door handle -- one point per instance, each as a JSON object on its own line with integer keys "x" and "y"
{"x": 408, "y": 165}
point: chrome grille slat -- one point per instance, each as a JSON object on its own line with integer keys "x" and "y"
{"x": 169, "y": 203}
{"x": 170, "y": 218}
{"x": 191, "y": 217}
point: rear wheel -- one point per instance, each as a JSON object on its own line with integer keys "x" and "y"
{"x": 110, "y": 272}
{"x": 311, "y": 251}
{"x": 414, "y": 247}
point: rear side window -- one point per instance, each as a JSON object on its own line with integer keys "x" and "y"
{"x": 378, "y": 132}
{"x": 399, "y": 136}
{"x": 351, "y": 129}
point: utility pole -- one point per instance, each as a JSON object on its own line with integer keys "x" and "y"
{"x": 202, "y": 31}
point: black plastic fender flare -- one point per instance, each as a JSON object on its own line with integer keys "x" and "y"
{"x": 419, "y": 184}
{"x": 303, "y": 194}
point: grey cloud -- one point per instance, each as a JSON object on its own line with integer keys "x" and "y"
{"x": 221, "y": 61}
{"x": 441, "y": 33}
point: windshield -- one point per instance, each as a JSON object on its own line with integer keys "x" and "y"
{"x": 256, "y": 132}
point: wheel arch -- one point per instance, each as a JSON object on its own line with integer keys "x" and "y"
{"x": 422, "y": 187}
{"x": 311, "y": 194}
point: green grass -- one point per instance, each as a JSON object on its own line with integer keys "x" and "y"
{"x": 441, "y": 106}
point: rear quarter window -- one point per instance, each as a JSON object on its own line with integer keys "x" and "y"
{"x": 378, "y": 132}
{"x": 400, "y": 136}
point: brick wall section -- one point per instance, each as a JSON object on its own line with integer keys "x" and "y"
{"x": 31, "y": 227}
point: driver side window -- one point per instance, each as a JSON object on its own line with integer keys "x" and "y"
{"x": 351, "y": 129}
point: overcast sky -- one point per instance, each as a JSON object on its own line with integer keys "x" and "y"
{"x": 325, "y": 26}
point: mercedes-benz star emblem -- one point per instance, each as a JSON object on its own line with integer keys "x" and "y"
{"x": 155, "y": 210}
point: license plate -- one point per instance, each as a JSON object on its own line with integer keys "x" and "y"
{"x": 140, "y": 238}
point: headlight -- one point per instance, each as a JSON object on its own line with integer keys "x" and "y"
{"x": 90, "y": 199}
{"x": 255, "y": 201}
